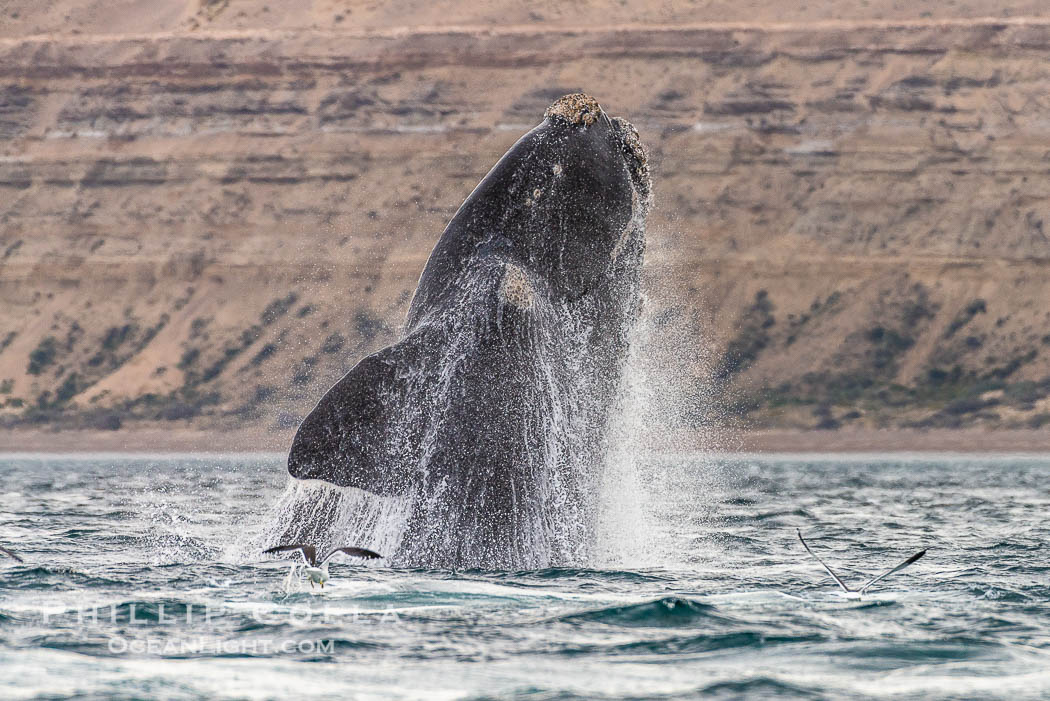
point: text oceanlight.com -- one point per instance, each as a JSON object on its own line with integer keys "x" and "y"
{"x": 207, "y": 646}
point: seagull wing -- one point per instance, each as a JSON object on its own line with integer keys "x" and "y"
{"x": 309, "y": 552}
{"x": 899, "y": 567}
{"x": 10, "y": 554}
{"x": 822, "y": 564}
{"x": 355, "y": 552}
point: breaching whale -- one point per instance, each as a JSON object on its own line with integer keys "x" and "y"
{"x": 490, "y": 414}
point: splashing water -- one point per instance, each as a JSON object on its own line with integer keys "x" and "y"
{"x": 587, "y": 509}
{"x": 101, "y": 607}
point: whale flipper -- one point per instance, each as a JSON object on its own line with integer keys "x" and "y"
{"x": 346, "y": 439}
{"x": 367, "y": 429}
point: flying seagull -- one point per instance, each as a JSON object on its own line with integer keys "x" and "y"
{"x": 317, "y": 570}
{"x": 857, "y": 593}
{"x": 10, "y": 554}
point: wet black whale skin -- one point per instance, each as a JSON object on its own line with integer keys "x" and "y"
{"x": 519, "y": 322}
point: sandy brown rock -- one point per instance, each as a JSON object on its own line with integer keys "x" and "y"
{"x": 209, "y": 220}
{"x": 22, "y": 18}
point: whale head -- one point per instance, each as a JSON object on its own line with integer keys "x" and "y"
{"x": 489, "y": 414}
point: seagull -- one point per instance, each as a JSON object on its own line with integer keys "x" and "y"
{"x": 858, "y": 593}
{"x": 317, "y": 570}
{"x": 10, "y": 554}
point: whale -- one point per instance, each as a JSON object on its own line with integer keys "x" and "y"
{"x": 489, "y": 417}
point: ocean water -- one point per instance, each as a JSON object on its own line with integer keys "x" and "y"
{"x": 143, "y": 580}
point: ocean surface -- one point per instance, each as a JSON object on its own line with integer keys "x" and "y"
{"x": 143, "y": 579}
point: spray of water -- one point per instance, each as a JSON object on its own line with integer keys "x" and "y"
{"x": 603, "y": 513}
{"x": 646, "y": 476}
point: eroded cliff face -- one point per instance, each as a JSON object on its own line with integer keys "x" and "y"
{"x": 20, "y": 18}
{"x": 208, "y": 227}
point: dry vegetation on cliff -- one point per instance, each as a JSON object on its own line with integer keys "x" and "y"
{"x": 210, "y": 211}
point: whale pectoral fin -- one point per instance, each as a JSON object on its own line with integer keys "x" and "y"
{"x": 355, "y": 434}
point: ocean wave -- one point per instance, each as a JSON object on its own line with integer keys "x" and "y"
{"x": 667, "y": 612}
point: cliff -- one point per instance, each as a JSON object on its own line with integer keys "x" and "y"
{"x": 206, "y": 223}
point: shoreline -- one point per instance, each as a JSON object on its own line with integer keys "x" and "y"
{"x": 156, "y": 440}
{"x": 1035, "y": 441}
{"x": 144, "y": 440}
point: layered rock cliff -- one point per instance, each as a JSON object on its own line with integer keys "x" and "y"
{"x": 208, "y": 225}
